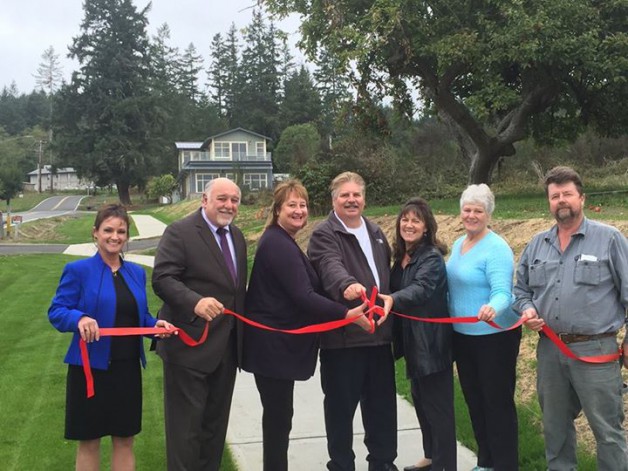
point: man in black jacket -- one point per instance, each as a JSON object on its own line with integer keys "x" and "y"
{"x": 351, "y": 256}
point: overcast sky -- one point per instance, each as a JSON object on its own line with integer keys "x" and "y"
{"x": 29, "y": 27}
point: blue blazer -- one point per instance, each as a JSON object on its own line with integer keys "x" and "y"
{"x": 86, "y": 289}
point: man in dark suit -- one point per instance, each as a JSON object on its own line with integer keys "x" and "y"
{"x": 199, "y": 271}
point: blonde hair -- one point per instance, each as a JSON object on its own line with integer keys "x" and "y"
{"x": 343, "y": 178}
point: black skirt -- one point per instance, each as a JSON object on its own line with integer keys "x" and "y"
{"x": 116, "y": 408}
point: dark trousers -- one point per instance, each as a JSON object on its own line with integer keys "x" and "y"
{"x": 433, "y": 397}
{"x": 363, "y": 375}
{"x": 197, "y": 406}
{"x": 277, "y": 397}
{"x": 487, "y": 371}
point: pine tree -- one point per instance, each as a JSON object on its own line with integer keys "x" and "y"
{"x": 190, "y": 65}
{"x": 107, "y": 119}
{"x": 301, "y": 103}
{"x": 49, "y": 73}
{"x": 261, "y": 86}
{"x": 333, "y": 85}
{"x": 49, "y": 78}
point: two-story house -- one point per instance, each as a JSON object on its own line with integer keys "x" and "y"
{"x": 238, "y": 154}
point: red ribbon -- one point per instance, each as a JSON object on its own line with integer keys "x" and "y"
{"x": 189, "y": 341}
{"x": 472, "y": 320}
{"x": 122, "y": 331}
{"x": 373, "y": 309}
{"x": 567, "y": 352}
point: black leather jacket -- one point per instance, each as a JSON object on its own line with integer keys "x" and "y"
{"x": 420, "y": 290}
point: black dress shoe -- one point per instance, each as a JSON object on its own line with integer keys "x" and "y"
{"x": 383, "y": 467}
{"x": 414, "y": 467}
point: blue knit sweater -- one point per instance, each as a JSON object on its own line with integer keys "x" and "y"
{"x": 483, "y": 275}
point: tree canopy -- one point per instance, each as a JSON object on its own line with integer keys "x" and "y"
{"x": 496, "y": 71}
{"x": 107, "y": 119}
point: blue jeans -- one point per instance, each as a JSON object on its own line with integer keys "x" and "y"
{"x": 566, "y": 387}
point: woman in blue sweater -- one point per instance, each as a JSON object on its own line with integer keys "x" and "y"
{"x": 479, "y": 274}
{"x": 104, "y": 291}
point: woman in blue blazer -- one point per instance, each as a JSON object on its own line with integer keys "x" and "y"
{"x": 104, "y": 291}
{"x": 283, "y": 294}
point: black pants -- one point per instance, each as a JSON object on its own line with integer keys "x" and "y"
{"x": 433, "y": 397}
{"x": 363, "y": 375}
{"x": 277, "y": 400}
{"x": 487, "y": 371}
{"x": 197, "y": 406}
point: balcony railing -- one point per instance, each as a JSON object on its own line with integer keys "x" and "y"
{"x": 207, "y": 157}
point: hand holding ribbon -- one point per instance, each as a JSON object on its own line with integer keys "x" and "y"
{"x": 529, "y": 317}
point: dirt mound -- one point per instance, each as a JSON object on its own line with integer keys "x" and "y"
{"x": 517, "y": 232}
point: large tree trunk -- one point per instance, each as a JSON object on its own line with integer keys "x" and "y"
{"x": 482, "y": 166}
{"x": 123, "y": 193}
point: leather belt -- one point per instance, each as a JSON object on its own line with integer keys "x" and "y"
{"x": 572, "y": 338}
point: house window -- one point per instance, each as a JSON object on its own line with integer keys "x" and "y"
{"x": 259, "y": 148}
{"x": 238, "y": 150}
{"x": 203, "y": 179}
{"x": 230, "y": 176}
{"x": 221, "y": 151}
{"x": 255, "y": 181}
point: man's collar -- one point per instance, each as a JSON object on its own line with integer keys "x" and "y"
{"x": 211, "y": 225}
{"x": 347, "y": 228}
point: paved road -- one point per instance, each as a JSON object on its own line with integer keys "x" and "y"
{"x": 13, "y": 249}
{"x": 52, "y": 207}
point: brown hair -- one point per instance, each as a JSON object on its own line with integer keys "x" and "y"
{"x": 561, "y": 175}
{"x": 423, "y": 211}
{"x": 111, "y": 211}
{"x": 281, "y": 194}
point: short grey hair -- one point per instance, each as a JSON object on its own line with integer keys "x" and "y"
{"x": 479, "y": 194}
{"x": 209, "y": 186}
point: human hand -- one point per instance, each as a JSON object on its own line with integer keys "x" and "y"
{"x": 486, "y": 313}
{"x": 388, "y": 304}
{"x": 167, "y": 326}
{"x": 88, "y": 328}
{"x": 357, "y": 313}
{"x": 532, "y": 320}
{"x": 354, "y": 291}
{"x": 209, "y": 308}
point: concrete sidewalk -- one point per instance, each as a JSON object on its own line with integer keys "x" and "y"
{"x": 308, "y": 445}
{"x": 147, "y": 227}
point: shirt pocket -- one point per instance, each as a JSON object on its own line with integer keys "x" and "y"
{"x": 589, "y": 272}
{"x": 538, "y": 274}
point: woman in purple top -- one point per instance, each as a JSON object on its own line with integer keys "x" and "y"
{"x": 283, "y": 294}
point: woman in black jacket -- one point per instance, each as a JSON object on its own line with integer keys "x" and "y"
{"x": 419, "y": 286}
{"x": 283, "y": 293}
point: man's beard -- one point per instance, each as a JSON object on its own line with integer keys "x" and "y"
{"x": 562, "y": 216}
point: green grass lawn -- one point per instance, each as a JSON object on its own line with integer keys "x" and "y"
{"x": 531, "y": 444}
{"x": 32, "y": 383}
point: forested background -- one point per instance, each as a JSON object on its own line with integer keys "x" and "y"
{"x": 418, "y": 97}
